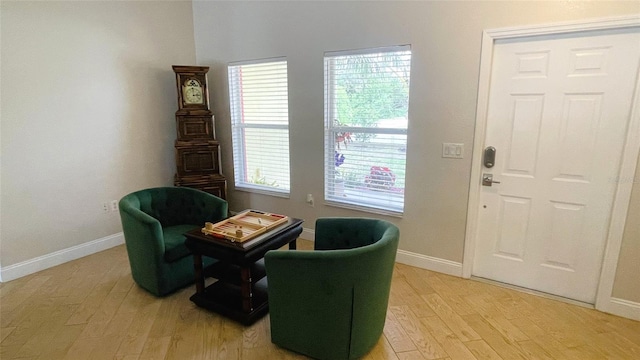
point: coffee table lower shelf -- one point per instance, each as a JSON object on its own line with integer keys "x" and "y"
{"x": 226, "y": 299}
{"x": 240, "y": 292}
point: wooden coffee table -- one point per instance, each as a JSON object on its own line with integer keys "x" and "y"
{"x": 240, "y": 291}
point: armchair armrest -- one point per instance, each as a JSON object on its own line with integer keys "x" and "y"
{"x": 144, "y": 228}
{"x": 138, "y": 215}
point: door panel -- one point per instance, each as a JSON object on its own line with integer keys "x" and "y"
{"x": 522, "y": 149}
{"x": 558, "y": 113}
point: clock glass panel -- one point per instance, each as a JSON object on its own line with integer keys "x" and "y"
{"x": 192, "y": 92}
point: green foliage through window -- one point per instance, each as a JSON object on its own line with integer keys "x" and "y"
{"x": 371, "y": 87}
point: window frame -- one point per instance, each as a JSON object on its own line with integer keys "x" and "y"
{"x": 238, "y": 128}
{"x": 331, "y": 129}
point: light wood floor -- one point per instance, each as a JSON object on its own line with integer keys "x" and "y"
{"x": 91, "y": 309}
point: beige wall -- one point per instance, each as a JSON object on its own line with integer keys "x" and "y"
{"x": 88, "y": 98}
{"x": 445, "y": 38}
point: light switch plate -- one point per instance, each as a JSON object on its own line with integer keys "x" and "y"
{"x": 452, "y": 150}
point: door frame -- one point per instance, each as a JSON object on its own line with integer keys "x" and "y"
{"x": 630, "y": 152}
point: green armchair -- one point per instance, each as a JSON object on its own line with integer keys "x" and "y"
{"x": 154, "y": 221}
{"x": 331, "y": 303}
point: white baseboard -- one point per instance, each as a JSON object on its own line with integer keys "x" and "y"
{"x": 430, "y": 263}
{"x": 418, "y": 260}
{"x": 40, "y": 263}
{"x": 621, "y": 307}
{"x": 308, "y": 234}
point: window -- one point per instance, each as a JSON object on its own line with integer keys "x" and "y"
{"x": 260, "y": 125}
{"x": 366, "y": 107}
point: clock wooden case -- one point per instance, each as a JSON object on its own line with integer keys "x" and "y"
{"x": 195, "y": 127}
{"x": 194, "y": 159}
{"x": 197, "y": 150}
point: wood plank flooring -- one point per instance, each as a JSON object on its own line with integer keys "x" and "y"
{"x": 91, "y": 309}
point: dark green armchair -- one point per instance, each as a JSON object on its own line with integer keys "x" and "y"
{"x": 153, "y": 222}
{"x": 331, "y": 303}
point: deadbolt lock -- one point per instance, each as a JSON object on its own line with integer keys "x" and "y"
{"x": 489, "y": 157}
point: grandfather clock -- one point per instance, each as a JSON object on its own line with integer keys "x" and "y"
{"x": 197, "y": 151}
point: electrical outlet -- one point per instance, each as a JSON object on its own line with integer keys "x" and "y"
{"x": 105, "y": 207}
{"x": 114, "y": 205}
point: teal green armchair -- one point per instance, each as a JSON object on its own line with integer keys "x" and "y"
{"x": 153, "y": 221}
{"x": 331, "y": 303}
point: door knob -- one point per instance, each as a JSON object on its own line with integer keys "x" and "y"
{"x": 487, "y": 180}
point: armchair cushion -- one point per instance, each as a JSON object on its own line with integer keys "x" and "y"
{"x": 174, "y": 241}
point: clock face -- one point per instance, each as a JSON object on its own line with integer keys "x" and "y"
{"x": 192, "y": 92}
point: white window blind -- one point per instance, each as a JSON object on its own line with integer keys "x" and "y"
{"x": 258, "y": 95}
{"x": 366, "y": 120}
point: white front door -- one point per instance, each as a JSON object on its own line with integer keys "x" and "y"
{"x": 558, "y": 115}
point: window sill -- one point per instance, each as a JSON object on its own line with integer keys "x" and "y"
{"x": 261, "y": 191}
{"x": 364, "y": 209}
